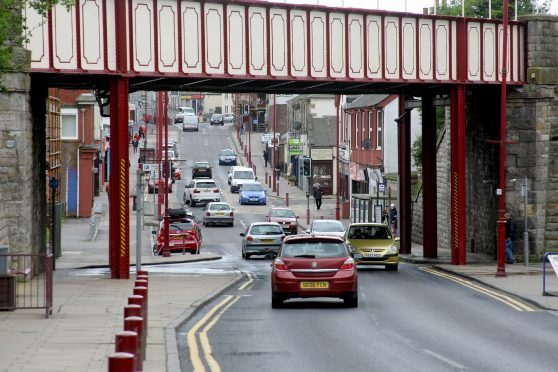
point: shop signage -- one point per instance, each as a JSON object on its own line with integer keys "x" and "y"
{"x": 295, "y": 146}
{"x": 321, "y": 154}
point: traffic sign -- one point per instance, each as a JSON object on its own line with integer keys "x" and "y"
{"x": 149, "y": 167}
{"x": 382, "y": 187}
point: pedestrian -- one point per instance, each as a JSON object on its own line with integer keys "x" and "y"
{"x": 137, "y": 137}
{"x": 393, "y": 219}
{"x": 385, "y": 215}
{"x": 135, "y": 144}
{"x": 266, "y": 157}
{"x": 318, "y": 196}
{"x": 510, "y": 237}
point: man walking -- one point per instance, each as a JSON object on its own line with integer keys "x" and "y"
{"x": 510, "y": 237}
{"x": 318, "y": 196}
{"x": 266, "y": 157}
{"x": 393, "y": 219}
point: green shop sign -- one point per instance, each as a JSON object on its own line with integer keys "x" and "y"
{"x": 295, "y": 146}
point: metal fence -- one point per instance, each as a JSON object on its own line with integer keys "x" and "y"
{"x": 26, "y": 281}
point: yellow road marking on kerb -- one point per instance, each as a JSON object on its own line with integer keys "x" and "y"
{"x": 197, "y": 363}
{"x": 508, "y": 300}
{"x": 250, "y": 281}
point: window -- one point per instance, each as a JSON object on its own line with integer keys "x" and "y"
{"x": 69, "y": 124}
{"x": 370, "y": 126}
{"x": 363, "y": 129}
{"x": 379, "y": 129}
{"x": 226, "y": 109}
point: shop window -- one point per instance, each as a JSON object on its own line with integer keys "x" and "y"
{"x": 379, "y": 130}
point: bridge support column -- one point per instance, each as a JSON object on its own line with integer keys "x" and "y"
{"x": 429, "y": 190}
{"x": 405, "y": 207}
{"x": 119, "y": 228}
{"x": 458, "y": 181}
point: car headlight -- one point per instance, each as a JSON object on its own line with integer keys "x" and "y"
{"x": 393, "y": 250}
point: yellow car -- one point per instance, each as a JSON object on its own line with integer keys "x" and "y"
{"x": 373, "y": 244}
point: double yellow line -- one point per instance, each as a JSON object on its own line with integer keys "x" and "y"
{"x": 203, "y": 326}
{"x": 506, "y": 299}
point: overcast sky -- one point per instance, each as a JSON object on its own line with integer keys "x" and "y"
{"x": 413, "y": 6}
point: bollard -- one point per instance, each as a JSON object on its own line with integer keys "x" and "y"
{"x": 140, "y": 283}
{"x": 269, "y": 182}
{"x": 286, "y": 199}
{"x": 254, "y": 168}
{"x": 132, "y": 310}
{"x": 135, "y": 324}
{"x": 321, "y": 217}
{"x": 139, "y": 300}
{"x": 142, "y": 272}
{"x": 265, "y": 179}
{"x": 121, "y": 362}
{"x": 142, "y": 291}
{"x": 127, "y": 342}
{"x": 277, "y": 187}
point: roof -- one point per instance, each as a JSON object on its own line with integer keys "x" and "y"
{"x": 366, "y": 100}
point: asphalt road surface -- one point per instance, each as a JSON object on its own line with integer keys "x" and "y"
{"x": 415, "y": 319}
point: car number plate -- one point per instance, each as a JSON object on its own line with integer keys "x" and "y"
{"x": 206, "y": 190}
{"x": 267, "y": 240}
{"x": 372, "y": 255}
{"x": 220, "y": 213}
{"x": 314, "y": 285}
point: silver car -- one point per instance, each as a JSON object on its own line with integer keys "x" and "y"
{"x": 262, "y": 238}
{"x": 218, "y": 213}
{"x": 326, "y": 227}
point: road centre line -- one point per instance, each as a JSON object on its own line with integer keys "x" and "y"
{"x": 508, "y": 300}
{"x": 250, "y": 281}
{"x": 197, "y": 363}
{"x": 204, "y": 340}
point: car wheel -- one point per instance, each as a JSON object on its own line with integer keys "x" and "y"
{"x": 392, "y": 267}
{"x": 231, "y": 189}
{"x": 243, "y": 254}
{"x": 231, "y": 224}
{"x": 247, "y": 256}
{"x": 192, "y": 202}
{"x": 276, "y": 301}
{"x": 351, "y": 300}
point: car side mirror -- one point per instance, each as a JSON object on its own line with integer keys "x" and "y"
{"x": 307, "y": 231}
{"x": 256, "y": 178}
{"x": 241, "y": 234}
{"x": 153, "y": 231}
{"x": 397, "y": 239}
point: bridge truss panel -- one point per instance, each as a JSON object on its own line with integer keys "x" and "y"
{"x": 246, "y": 40}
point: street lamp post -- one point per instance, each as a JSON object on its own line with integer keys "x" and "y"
{"x": 524, "y": 190}
{"x": 53, "y": 183}
{"x": 337, "y": 208}
{"x": 274, "y": 144}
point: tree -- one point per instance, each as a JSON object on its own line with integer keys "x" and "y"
{"x": 479, "y": 8}
{"x": 13, "y": 32}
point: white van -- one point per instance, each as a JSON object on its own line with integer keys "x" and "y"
{"x": 239, "y": 175}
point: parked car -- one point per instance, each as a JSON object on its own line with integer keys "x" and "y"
{"x": 373, "y": 244}
{"x": 153, "y": 182}
{"x": 261, "y": 238}
{"x": 200, "y": 191}
{"x": 184, "y": 236}
{"x": 252, "y": 193}
{"x": 327, "y": 228}
{"x": 240, "y": 175}
{"x": 201, "y": 169}
{"x": 227, "y": 157}
{"x": 218, "y": 213}
{"x": 217, "y": 119}
{"x": 285, "y": 217}
{"x": 228, "y": 118}
{"x": 314, "y": 266}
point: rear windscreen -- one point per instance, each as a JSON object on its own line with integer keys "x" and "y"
{"x": 206, "y": 185}
{"x": 243, "y": 175}
{"x": 266, "y": 230}
{"x": 313, "y": 249}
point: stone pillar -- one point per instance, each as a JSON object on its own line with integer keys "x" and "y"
{"x": 22, "y": 161}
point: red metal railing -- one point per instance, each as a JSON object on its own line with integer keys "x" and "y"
{"x": 26, "y": 281}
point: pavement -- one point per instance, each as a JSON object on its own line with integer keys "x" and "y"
{"x": 88, "y": 305}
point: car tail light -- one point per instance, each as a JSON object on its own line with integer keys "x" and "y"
{"x": 249, "y": 238}
{"x": 280, "y": 265}
{"x": 196, "y": 191}
{"x": 231, "y": 214}
{"x": 349, "y": 264}
{"x": 208, "y": 214}
{"x": 282, "y": 237}
{"x": 215, "y": 190}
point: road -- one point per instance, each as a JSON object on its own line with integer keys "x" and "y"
{"x": 415, "y": 319}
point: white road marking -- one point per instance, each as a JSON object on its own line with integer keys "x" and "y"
{"x": 450, "y": 362}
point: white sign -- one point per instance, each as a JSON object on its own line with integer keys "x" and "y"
{"x": 321, "y": 154}
{"x": 149, "y": 167}
{"x": 382, "y": 188}
{"x": 554, "y": 262}
{"x": 268, "y": 138}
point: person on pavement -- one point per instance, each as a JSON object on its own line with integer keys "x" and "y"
{"x": 510, "y": 237}
{"x": 393, "y": 219}
{"x": 266, "y": 157}
{"x": 318, "y": 196}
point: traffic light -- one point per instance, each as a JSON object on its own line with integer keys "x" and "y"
{"x": 307, "y": 167}
{"x": 245, "y": 110}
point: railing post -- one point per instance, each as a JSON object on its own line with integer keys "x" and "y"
{"x": 48, "y": 284}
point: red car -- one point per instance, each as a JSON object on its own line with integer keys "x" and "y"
{"x": 184, "y": 236}
{"x": 313, "y": 266}
{"x": 285, "y": 217}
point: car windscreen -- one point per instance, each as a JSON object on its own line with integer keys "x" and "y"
{"x": 328, "y": 226}
{"x": 252, "y": 187}
{"x": 217, "y": 116}
{"x": 182, "y": 226}
{"x": 201, "y": 165}
{"x": 186, "y": 110}
{"x": 243, "y": 175}
{"x": 287, "y": 213}
{"x": 369, "y": 232}
{"x": 313, "y": 249}
{"x": 266, "y": 230}
{"x": 227, "y": 153}
{"x": 206, "y": 185}
{"x": 219, "y": 207}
